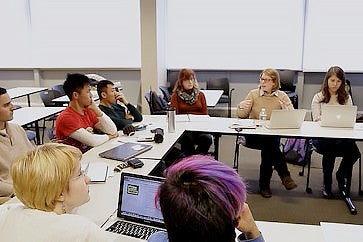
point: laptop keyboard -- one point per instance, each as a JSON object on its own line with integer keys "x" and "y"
{"x": 131, "y": 229}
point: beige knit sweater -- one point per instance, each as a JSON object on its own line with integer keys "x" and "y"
{"x": 267, "y": 101}
{"x": 13, "y": 143}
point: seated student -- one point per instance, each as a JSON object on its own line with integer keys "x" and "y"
{"x": 78, "y": 123}
{"x": 50, "y": 184}
{"x": 267, "y": 96}
{"x": 204, "y": 200}
{"x": 13, "y": 142}
{"x": 121, "y": 116}
{"x": 187, "y": 99}
{"x": 333, "y": 92}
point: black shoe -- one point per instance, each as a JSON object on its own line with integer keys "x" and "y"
{"x": 327, "y": 193}
{"x": 266, "y": 192}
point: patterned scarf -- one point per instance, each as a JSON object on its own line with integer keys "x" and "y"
{"x": 188, "y": 98}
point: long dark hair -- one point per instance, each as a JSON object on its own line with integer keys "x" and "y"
{"x": 342, "y": 93}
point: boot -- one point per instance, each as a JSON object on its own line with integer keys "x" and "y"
{"x": 288, "y": 182}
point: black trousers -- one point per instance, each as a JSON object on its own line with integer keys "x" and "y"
{"x": 332, "y": 148}
{"x": 195, "y": 143}
{"x": 271, "y": 156}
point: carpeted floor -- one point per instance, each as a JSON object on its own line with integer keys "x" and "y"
{"x": 294, "y": 206}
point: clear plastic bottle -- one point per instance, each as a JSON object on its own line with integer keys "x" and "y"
{"x": 262, "y": 117}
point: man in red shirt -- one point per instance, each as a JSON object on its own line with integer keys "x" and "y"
{"x": 82, "y": 124}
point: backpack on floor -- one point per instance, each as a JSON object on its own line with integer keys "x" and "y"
{"x": 294, "y": 151}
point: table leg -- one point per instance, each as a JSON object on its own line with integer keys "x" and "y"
{"x": 28, "y": 96}
{"x": 37, "y": 132}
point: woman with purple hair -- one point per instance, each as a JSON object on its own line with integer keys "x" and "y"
{"x": 204, "y": 200}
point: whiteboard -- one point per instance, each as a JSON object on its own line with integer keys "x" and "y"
{"x": 235, "y": 34}
{"x": 15, "y": 46}
{"x": 333, "y": 35}
{"x": 72, "y": 34}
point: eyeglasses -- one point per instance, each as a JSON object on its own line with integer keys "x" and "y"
{"x": 191, "y": 80}
{"x": 82, "y": 173}
{"x": 265, "y": 80}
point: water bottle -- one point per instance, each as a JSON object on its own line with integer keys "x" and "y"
{"x": 170, "y": 115}
{"x": 262, "y": 117}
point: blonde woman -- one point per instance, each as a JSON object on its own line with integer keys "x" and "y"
{"x": 50, "y": 184}
{"x": 267, "y": 96}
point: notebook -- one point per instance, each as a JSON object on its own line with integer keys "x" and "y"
{"x": 125, "y": 151}
{"x": 339, "y": 116}
{"x": 137, "y": 214}
{"x": 286, "y": 119}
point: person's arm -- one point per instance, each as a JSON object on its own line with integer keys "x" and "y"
{"x": 244, "y": 107}
{"x": 204, "y": 103}
{"x": 105, "y": 124}
{"x": 174, "y": 102}
{"x": 246, "y": 224}
{"x": 285, "y": 101}
{"x": 316, "y": 107}
{"x": 6, "y": 188}
{"x": 134, "y": 112}
{"x": 88, "y": 138}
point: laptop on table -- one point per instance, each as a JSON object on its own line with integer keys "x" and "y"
{"x": 138, "y": 216}
{"x": 338, "y": 116}
{"x": 286, "y": 119}
{"x": 125, "y": 151}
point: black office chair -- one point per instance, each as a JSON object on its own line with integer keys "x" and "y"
{"x": 59, "y": 88}
{"x": 47, "y": 97}
{"x": 287, "y": 78}
{"x": 156, "y": 104}
{"x": 166, "y": 93}
{"x": 222, "y": 84}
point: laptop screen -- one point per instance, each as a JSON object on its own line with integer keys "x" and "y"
{"x": 137, "y": 199}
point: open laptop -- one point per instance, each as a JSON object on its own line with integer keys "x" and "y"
{"x": 338, "y": 116}
{"x": 125, "y": 151}
{"x": 137, "y": 215}
{"x": 286, "y": 119}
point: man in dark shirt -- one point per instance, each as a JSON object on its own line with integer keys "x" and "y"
{"x": 118, "y": 113}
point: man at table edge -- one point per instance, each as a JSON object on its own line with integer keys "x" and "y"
{"x": 13, "y": 142}
{"x": 82, "y": 124}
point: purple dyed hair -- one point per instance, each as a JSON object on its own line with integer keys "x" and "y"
{"x": 201, "y": 199}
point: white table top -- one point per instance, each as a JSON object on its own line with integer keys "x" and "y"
{"x": 336, "y": 232}
{"x": 104, "y": 196}
{"x": 65, "y": 98}
{"x": 212, "y": 96}
{"x": 28, "y": 115}
{"x": 23, "y": 91}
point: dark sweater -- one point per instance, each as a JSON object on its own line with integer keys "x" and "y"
{"x": 117, "y": 114}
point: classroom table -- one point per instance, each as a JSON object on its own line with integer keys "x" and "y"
{"x": 24, "y": 91}
{"x": 104, "y": 196}
{"x": 32, "y": 115}
{"x": 62, "y": 100}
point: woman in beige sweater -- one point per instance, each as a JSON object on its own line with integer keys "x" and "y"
{"x": 267, "y": 96}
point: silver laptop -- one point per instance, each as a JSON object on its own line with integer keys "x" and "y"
{"x": 138, "y": 216}
{"x": 338, "y": 116}
{"x": 286, "y": 119}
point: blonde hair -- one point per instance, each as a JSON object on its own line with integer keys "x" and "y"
{"x": 43, "y": 174}
{"x": 274, "y": 75}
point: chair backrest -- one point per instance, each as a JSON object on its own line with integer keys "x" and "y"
{"x": 59, "y": 88}
{"x": 219, "y": 84}
{"x": 166, "y": 93}
{"x": 47, "y": 96}
{"x": 287, "y": 78}
{"x": 348, "y": 88}
{"x": 156, "y": 103}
